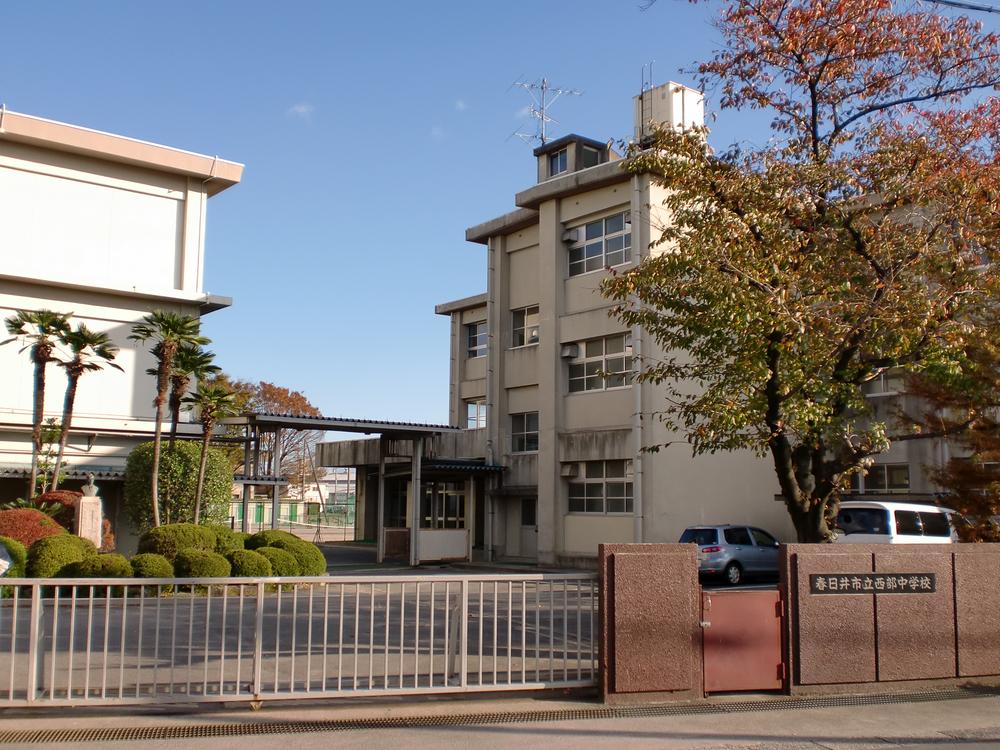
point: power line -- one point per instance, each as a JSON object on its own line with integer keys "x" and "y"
{"x": 966, "y": 6}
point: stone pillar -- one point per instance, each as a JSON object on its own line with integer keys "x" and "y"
{"x": 89, "y": 513}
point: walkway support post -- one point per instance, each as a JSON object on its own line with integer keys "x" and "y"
{"x": 380, "y": 523}
{"x": 416, "y": 495}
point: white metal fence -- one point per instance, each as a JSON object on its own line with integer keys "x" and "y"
{"x": 117, "y": 641}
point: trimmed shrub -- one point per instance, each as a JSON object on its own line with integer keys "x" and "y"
{"x": 283, "y": 563}
{"x": 250, "y": 564}
{"x": 98, "y": 566}
{"x": 18, "y": 557}
{"x": 199, "y": 563}
{"x": 67, "y": 499}
{"x": 178, "y": 482}
{"x": 151, "y": 565}
{"x": 226, "y": 540}
{"x": 310, "y": 559}
{"x": 48, "y": 556}
{"x": 268, "y": 538}
{"x": 27, "y": 525}
{"x": 170, "y": 539}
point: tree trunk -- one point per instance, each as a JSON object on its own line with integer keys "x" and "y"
{"x": 73, "y": 378}
{"x": 202, "y": 463}
{"x": 162, "y": 383}
{"x": 38, "y": 412}
{"x": 810, "y": 523}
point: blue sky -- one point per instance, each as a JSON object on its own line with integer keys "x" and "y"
{"x": 373, "y": 134}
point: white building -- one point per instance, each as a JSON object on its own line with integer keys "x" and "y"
{"x": 107, "y": 228}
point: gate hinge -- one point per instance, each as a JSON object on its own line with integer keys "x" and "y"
{"x": 705, "y": 623}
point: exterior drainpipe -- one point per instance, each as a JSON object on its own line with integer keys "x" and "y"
{"x": 638, "y": 532}
{"x": 491, "y": 416}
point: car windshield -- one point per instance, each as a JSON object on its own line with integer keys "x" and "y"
{"x": 701, "y": 537}
{"x": 863, "y": 521}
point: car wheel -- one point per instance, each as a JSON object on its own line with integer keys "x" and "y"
{"x": 733, "y": 574}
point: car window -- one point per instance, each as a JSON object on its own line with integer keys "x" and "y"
{"x": 863, "y": 521}
{"x": 737, "y": 536}
{"x": 701, "y": 537}
{"x": 763, "y": 538}
{"x": 908, "y": 522}
{"x": 935, "y": 524}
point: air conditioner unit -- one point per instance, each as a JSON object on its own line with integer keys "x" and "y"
{"x": 571, "y": 236}
{"x": 570, "y": 351}
{"x": 569, "y": 469}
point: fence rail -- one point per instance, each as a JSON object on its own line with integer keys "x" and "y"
{"x": 118, "y": 641}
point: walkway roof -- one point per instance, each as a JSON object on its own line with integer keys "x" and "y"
{"x": 339, "y": 424}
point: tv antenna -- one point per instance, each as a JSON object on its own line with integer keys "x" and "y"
{"x": 543, "y": 95}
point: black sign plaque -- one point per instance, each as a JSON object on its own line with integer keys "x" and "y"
{"x": 873, "y": 583}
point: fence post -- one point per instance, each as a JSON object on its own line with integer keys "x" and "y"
{"x": 463, "y": 659}
{"x": 258, "y": 641}
{"x": 35, "y": 650}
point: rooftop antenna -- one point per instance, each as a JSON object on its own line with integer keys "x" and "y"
{"x": 543, "y": 95}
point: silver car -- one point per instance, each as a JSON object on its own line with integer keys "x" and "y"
{"x": 733, "y": 552}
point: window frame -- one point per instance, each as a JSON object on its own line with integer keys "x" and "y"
{"x": 602, "y": 373}
{"x": 866, "y": 484}
{"x": 477, "y": 338}
{"x": 524, "y": 327}
{"x": 478, "y": 420}
{"x": 561, "y": 159}
{"x": 587, "y": 246}
{"x": 523, "y": 439}
{"x": 584, "y": 488}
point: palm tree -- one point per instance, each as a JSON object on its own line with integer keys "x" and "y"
{"x": 213, "y": 402}
{"x": 91, "y": 350}
{"x": 41, "y": 327}
{"x": 169, "y": 331}
{"x": 190, "y": 363}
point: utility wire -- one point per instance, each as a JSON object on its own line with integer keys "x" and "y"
{"x": 966, "y": 6}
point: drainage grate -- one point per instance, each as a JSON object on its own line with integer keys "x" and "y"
{"x": 133, "y": 734}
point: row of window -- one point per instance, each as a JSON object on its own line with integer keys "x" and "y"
{"x": 524, "y": 332}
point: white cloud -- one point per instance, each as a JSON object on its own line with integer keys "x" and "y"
{"x": 302, "y": 110}
{"x": 460, "y": 105}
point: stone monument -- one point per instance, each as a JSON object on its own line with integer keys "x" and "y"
{"x": 89, "y": 513}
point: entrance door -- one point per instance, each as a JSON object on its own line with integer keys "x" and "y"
{"x": 742, "y": 641}
{"x": 529, "y": 527}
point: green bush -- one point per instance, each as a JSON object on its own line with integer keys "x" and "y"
{"x": 178, "y": 482}
{"x": 171, "y": 539}
{"x": 199, "y": 563}
{"x": 98, "y": 566}
{"x": 48, "y": 556}
{"x": 249, "y": 564}
{"x": 18, "y": 557}
{"x": 151, "y": 565}
{"x": 227, "y": 540}
{"x": 310, "y": 559}
{"x": 283, "y": 563}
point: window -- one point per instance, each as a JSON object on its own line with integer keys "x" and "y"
{"x": 591, "y": 157}
{"x": 557, "y": 163}
{"x": 605, "y": 487}
{"x": 475, "y": 414}
{"x": 935, "y": 524}
{"x": 737, "y": 536}
{"x": 601, "y": 364}
{"x": 863, "y": 521}
{"x": 476, "y": 337}
{"x": 886, "y": 478}
{"x": 529, "y": 509}
{"x": 525, "y": 326}
{"x": 887, "y": 383}
{"x": 605, "y": 242}
{"x": 443, "y": 506}
{"x": 524, "y": 432}
{"x": 701, "y": 537}
{"x": 907, "y": 522}
{"x": 763, "y": 539}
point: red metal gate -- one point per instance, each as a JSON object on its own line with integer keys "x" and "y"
{"x": 742, "y": 641}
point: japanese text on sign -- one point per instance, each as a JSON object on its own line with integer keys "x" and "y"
{"x": 873, "y": 583}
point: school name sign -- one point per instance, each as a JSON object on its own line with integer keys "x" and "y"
{"x": 873, "y": 583}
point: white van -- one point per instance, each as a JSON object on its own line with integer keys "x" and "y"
{"x": 890, "y": 522}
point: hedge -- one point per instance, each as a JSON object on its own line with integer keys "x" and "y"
{"x": 311, "y": 561}
{"x": 227, "y": 540}
{"x": 178, "y": 482}
{"x": 18, "y": 557}
{"x": 249, "y": 564}
{"x": 98, "y": 566}
{"x": 27, "y": 525}
{"x": 151, "y": 565}
{"x": 197, "y": 563}
{"x": 171, "y": 539}
{"x": 48, "y": 556}
{"x": 283, "y": 563}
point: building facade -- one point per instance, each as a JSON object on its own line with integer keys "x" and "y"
{"x": 106, "y": 228}
{"x": 541, "y": 375}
